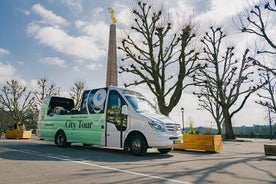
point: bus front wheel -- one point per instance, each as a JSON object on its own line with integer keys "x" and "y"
{"x": 138, "y": 145}
{"x": 61, "y": 140}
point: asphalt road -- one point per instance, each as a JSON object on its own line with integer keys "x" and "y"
{"x": 37, "y": 162}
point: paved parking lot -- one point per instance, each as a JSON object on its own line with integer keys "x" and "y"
{"x": 36, "y": 161}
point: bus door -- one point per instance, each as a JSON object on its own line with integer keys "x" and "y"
{"x": 116, "y": 122}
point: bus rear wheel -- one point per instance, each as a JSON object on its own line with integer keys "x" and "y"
{"x": 61, "y": 140}
{"x": 138, "y": 145}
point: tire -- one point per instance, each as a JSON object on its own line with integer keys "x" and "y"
{"x": 61, "y": 140}
{"x": 138, "y": 145}
{"x": 164, "y": 150}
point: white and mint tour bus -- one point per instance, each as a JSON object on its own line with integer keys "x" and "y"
{"x": 108, "y": 117}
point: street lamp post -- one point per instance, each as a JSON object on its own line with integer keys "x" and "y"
{"x": 270, "y": 126}
{"x": 182, "y": 112}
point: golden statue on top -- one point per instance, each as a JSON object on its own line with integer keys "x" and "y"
{"x": 113, "y": 19}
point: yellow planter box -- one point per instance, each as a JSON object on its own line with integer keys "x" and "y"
{"x": 270, "y": 149}
{"x": 211, "y": 143}
{"x": 18, "y": 134}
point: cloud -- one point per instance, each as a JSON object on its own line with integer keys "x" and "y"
{"x": 97, "y": 12}
{"x": 74, "y": 5}
{"x": 25, "y": 12}
{"x": 94, "y": 66}
{"x": 53, "y": 61}
{"x": 98, "y": 32}
{"x": 90, "y": 44}
{"x": 7, "y": 73}
{"x": 124, "y": 16}
{"x": 81, "y": 47}
{"x": 88, "y": 65}
{"x": 196, "y": 6}
{"x": 4, "y": 52}
{"x": 220, "y": 11}
{"x": 48, "y": 16}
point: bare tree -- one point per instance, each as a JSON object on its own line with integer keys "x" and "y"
{"x": 161, "y": 59}
{"x": 268, "y": 99}
{"x": 15, "y": 98}
{"x": 45, "y": 89}
{"x": 259, "y": 21}
{"x": 76, "y": 93}
{"x": 207, "y": 102}
{"x": 226, "y": 80}
{"x": 255, "y": 22}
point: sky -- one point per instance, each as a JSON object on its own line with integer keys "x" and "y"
{"x": 66, "y": 41}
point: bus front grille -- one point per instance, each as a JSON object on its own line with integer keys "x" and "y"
{"x": 172, "y": 127}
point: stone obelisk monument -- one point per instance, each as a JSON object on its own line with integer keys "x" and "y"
{"x": 111, "y": 71}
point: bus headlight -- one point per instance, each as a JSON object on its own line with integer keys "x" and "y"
{"x": 157, "y": 126}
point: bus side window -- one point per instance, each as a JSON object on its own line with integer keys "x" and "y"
{"x": 84, "y": 103}
{"x": 50, "y": 110}
{"x": 114, "y": 111}
{"x": 89, "y": 105}
{"x": 60, "y": 106}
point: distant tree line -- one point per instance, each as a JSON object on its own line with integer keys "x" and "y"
{"x": 19, "y": 104}
{"x": 254, "y": 131}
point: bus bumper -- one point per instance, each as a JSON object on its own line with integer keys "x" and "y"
{"x": 164, "y": 139}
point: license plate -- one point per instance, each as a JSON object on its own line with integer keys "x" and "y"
{"x": 177, "y": 142}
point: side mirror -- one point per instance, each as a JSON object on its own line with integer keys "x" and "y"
{"x": 124, "y": 110}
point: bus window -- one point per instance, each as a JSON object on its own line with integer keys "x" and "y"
{"x": 93, "y": 101}
{"x": 60, "y": 106}
{"x": 114, "y": 111}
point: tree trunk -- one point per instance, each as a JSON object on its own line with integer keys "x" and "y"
{"x": 219, "y": 127}
{"x": 229, "y": 133}
{"x": 162, "y": 107}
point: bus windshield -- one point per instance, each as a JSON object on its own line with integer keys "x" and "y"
{"x": 140, "y": 104}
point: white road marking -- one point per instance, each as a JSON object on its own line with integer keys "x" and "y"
{"x": 64, "y": 158}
